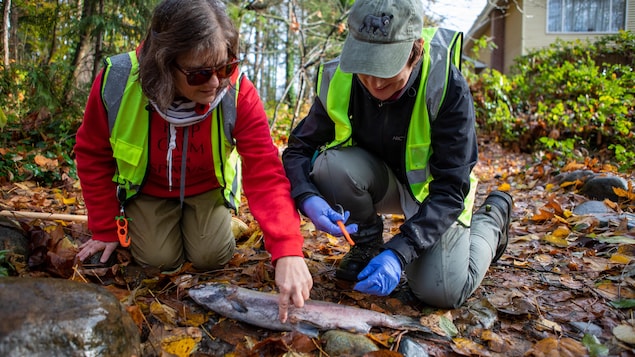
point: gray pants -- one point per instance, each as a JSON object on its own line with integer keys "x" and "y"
{"x": 444, "y": 275}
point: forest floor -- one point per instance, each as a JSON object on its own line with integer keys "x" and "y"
{"x": 564, "y": 287}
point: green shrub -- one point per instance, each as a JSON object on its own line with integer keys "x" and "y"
{"x": 570, "y": 95}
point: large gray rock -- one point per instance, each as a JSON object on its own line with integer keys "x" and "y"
{"x": 56, "y": 317}
{"x": 601, "y": 187}
{"x": 13, "y": 237}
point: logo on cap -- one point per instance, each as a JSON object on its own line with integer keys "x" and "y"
{"x": 373, "y": 23}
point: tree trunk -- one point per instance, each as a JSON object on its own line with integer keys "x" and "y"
{"x": 5, "y": 32}
{"x": 81, "y": 61}
{"x": 53, "y": 46}
{"x": 98, "y": 45}
{"x": 292, "y": 26}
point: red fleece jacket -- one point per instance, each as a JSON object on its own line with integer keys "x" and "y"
{"x": 265, "y": 185}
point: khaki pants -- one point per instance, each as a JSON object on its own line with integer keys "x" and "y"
{"x": 163, "y": 234}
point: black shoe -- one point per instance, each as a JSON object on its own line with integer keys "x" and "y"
{"x": 504, "y": 203}
{"x": 356, "y": 260}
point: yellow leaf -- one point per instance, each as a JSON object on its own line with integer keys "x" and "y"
{"x": 561, "y": 232}
{"x": 620, "y": 259}
{"x": 620, "y": 192}
{"x": 182, "y": 342}
{"x": 196, "y": 319}
{"x": 558, "y": 242}
{"x": 468, "y": 347}
{"x": 568, "y": 183}
{"x": 332, "y": 240}
{"x": 504, "y": 187}
{"x": 69, "y": 200}
{"x": 254, "y": 241}
{"x": 164, "y": 313}
{"x": 182, "y": 347}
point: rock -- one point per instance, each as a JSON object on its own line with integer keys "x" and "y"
{"x": 592, "y": 206}
{"x": 604, "y": 215}
{"x": 342, "y": 343}
{"x": 14, "y": 240}
{"x": 572, "y": 176}
{"x": 410, "y": 348}
{"x": 13, "y": 237}
{"x": 56, "y": 317}
{"x": 601, "y": 187}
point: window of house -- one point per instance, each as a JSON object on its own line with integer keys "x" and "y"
{"x": 586, "y": 15}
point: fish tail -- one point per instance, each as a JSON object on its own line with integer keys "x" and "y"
{"x": 413, "y": 324}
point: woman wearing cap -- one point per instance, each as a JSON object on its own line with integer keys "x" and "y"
{"x": 168, "y": 129}
{"x": 392, "y": 130}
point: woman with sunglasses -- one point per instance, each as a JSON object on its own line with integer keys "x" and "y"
{"x": 169, "y": 130}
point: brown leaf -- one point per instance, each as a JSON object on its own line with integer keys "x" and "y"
{"x": 552, "y": 347}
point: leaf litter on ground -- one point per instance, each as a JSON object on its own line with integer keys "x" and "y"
{"x": 565, "y": 285}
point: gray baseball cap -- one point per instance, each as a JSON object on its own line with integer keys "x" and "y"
{"x": 380, "y": 36}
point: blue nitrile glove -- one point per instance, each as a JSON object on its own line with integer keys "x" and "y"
{"x": 381, "y": 275}
{"x": 324, "y": 217}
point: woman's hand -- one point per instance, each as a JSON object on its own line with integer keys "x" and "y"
{"x": 92, "y": 247}
{"x": 294, "y": 283}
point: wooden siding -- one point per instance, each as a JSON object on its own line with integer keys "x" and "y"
{"x": 630, "y": 15}
{"x": 526, "y": 30}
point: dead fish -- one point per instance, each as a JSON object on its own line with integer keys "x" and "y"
{"x": 261, "y": 309}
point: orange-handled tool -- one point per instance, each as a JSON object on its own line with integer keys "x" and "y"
{"x": 346, "y": 235}
{"x": 122, "y": 231}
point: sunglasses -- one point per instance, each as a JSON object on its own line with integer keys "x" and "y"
{"x": 196, "y": 77}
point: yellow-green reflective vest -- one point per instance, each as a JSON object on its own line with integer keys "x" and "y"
{"x": 442, "y": 47}
{"x": 129, "y": 124}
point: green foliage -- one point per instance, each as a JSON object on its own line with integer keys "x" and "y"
{"x": 42, "y": 95}
{"x": 496, "y": 107}
{"x": 5, "y": 266}
{"x": 594, "y": 346}
{"x": 570, "y": 95}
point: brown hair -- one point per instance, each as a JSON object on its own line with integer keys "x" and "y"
{"x": 415, "y": 53}
{"x": 181, "y": 27}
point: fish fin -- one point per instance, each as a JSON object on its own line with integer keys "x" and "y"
{"x": 239, "y": 306}
{"x": 413, "y": 324}
{"x": 307, "y": 328}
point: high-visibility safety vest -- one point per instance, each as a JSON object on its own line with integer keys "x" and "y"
{"x": 129, "y": 125}
{"x": 442, "y": 47}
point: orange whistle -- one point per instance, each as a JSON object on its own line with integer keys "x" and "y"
{"x": 122, "y": 231}
{"x": 346, "y": 235}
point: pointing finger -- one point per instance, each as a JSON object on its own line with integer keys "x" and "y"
{"x": 283, "y": 307}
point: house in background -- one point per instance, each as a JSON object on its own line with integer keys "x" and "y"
{"x": 517, "y": 27}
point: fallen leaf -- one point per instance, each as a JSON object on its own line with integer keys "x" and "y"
{"x": 553, "y": 347}
{"x": 624, "y": 333}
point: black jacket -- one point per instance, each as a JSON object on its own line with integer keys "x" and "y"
{"x": 381, "y": 128}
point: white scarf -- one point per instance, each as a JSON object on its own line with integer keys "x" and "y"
{"x": 183, "y": 113}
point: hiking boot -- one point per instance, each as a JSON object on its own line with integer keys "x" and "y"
{"x": 368, "y": 243}
{"x": 503, "y": 203}
{"x": 356, "y": 260}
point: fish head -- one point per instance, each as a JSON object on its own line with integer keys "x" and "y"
{"x": 220, "y": 297}
{"x": 211, "y": 292}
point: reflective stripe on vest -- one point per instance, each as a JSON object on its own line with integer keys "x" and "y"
{"x": 442, "y": 47}
{"x": 123, "y": 98}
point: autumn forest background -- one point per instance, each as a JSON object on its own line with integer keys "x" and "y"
{"x": 566, "y": 108}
